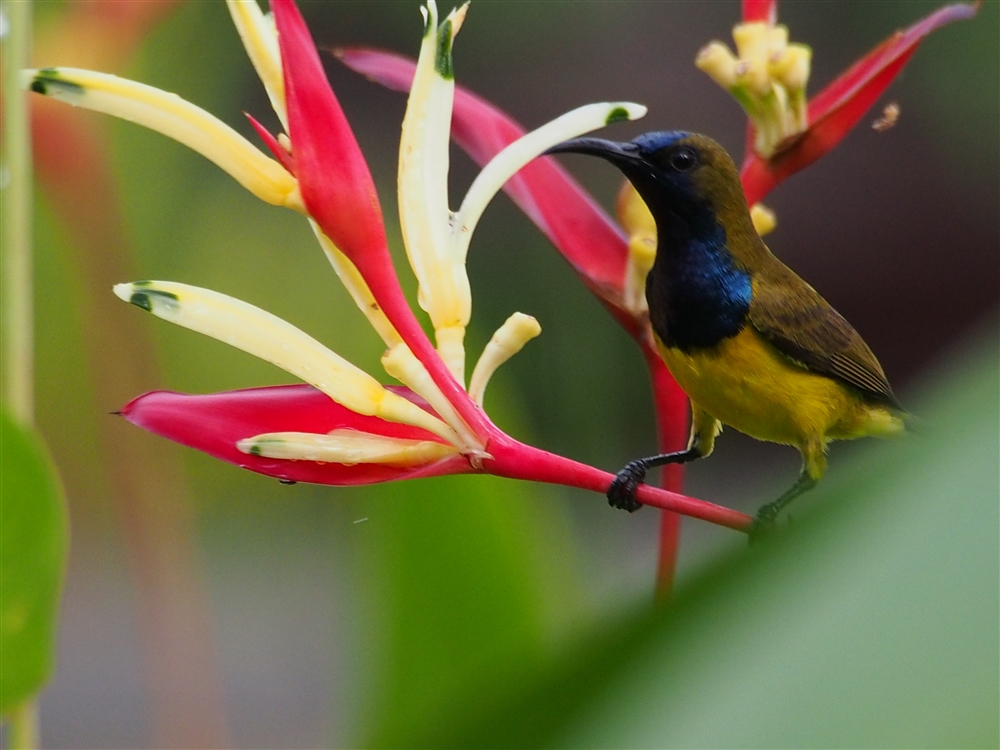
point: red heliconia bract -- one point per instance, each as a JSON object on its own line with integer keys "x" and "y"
{"x": 214, "y": 423}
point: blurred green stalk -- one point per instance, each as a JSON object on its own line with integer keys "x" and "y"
{"x": 16, "y": 313}
{"x": 23, "y": 731}
{"x": 16, "y": 350}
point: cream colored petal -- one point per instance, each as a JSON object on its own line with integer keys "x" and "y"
{"x": 718, "y": 61}
{"x": 508, "y": 162}
{"x": 348, "y": 447}
{"x": 260, "y": 39}
{"x": 400, "y": 363}
{"x": 357, "y": 288}
{"x": 272, "y": 339}
{"x": 639, "y": 225}
{"x": 752, "y": 39}
{"x": 172, "y": 116}
{"x": 425, "y": 216}
{"x": 509, "y": 339}
{"x": 641, "y": 256}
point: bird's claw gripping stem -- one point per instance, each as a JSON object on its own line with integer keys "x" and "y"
{"x": 621, "y": 493}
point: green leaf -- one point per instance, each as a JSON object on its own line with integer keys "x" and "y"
{"x": 871, "y": 622}
{"x": 33, "y": 545}
{"x": 472, "y": 583}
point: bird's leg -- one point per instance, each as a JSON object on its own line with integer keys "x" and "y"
{"x": 767, "y": 514}
{"x": 813, "y": 467}
{"x": 621, "y": 493}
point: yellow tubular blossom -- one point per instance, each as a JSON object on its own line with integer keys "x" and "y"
{"x": 348, "y": 447}
{"x": 768, "y": 78}
{"x": 719, "y": 63}
{"x": 763, "y": 218}
{"x": 400, "y": 363}
{"x": 516, "y": 155}
{"x": 260, "y": 39}
{"x": 355, "y": 284}
{"x": 175, "y": 118}
{"x": 425, "y": 217}
{"x": 509, "y": 339}
{"x": 272, "y": 339}
{"x": 638, "y": 223}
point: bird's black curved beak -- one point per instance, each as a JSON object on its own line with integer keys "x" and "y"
{"x": 619, "y": 154}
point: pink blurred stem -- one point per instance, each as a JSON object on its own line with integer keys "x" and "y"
{"x": 147, "y": 481}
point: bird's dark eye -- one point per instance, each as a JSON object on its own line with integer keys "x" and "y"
{"x": 683, "y": 160}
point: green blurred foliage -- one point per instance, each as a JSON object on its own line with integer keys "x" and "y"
{"x": 871, "y": 621}
{"x": 34, "y": 539}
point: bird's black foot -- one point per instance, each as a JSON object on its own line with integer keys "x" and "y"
{"x": 765, "y": 523}
{"x": 621, "y": 493}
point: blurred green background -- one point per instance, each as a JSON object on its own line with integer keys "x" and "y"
{"x": 446, "y": 611}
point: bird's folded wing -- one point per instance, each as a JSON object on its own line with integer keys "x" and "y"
{"x": 803, "y": 326}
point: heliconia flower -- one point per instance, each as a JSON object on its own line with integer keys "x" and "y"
{"x": 612, "y": 259}
{"x": 786, "y": 133}
{"x": 344, "y": 427}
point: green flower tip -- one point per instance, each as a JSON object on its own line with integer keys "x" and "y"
{"x": 148, "y": 299}
{"x": 618, "y": 114}
{"x": 442, "y": 61}
{"x": 44, "y": 80}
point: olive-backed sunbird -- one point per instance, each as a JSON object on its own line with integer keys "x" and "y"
{"x": 751, "y": 344}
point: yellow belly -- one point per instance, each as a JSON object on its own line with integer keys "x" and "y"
{"x": 746, "y": 383}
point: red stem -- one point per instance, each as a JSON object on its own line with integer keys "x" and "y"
{"x": 519, "y": 461}
{"x": 671, "y": 405}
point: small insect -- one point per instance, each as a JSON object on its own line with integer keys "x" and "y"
{"x": 889, "y": 118}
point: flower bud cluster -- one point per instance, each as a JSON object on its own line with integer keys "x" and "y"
{"x": 767, "y": 76}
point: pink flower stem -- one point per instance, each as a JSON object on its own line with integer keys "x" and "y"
{"x": 519, "y": 461}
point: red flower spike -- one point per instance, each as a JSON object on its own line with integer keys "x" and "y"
{"x": 215, "y": 423}
{"x": 338, "y": 192}
{"x": 336, "y": 185}
{"x": 760, "y": 10}
{"x": 585, "y": 235}
{"x": 838, "y": 108}
{"x": 272, "y": 144}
